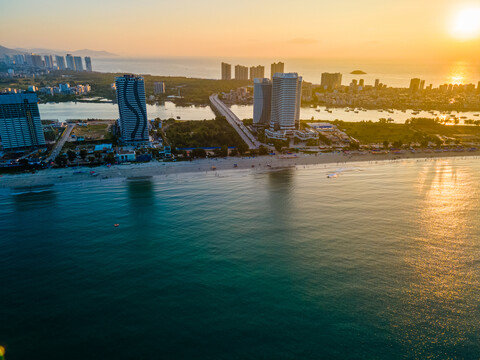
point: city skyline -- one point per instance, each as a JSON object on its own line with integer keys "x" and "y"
{"x": 444, "y": 29}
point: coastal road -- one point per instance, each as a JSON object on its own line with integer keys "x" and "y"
{"x": 58, "y": 147}
{"x": 236, "y": 123}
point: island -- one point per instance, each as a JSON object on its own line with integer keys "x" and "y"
{"x": 358, "y": 72}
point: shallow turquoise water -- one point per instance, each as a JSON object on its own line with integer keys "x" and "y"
{"x": 381, "y": 262}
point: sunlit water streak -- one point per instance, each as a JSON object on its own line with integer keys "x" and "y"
{"x": 380, "y": 262}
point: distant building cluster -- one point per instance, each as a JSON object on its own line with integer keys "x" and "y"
{"x": 20, "y": 124}
{"x": 36, "y": 64}
{"x": 256, "y": 72}
{"x": 239, "y": 95}
{"x": 417, "y": 96}
{"x": 64, "y": 89}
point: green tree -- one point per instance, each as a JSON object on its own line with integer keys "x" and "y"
{"x": 397, "y": 144}
{"x": 61, "y": 160}
{"x": 224, "y": 151}
{"x": 110, "y": 158}
{"x": 199, "y": 153}
{"x": 83, "y": 154}
{"x": 386, "y": 143}
{"x": 262, "y": 150}
{"x": 242, "y": 148}
{"x": 72, "y": 155}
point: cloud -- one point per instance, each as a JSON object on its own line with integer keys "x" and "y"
{"x": 303, "y": 41}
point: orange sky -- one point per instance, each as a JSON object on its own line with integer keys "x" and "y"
{"x": 386, "y": 29}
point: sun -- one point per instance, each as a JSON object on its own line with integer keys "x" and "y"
{"x": 466, "y": 23}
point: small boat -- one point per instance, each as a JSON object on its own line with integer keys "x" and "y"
{"x": 116, "y": 225}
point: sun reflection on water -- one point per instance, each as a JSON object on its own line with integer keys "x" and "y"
{"x": 440, "y": 260}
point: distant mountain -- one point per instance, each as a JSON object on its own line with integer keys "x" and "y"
{"x": 42, "y": 51}
{"x": 6, "y": 51}
{"x": 93, "y": 53}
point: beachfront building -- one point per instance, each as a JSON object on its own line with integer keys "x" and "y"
{"x": 20, "y": 125}
{"x": 331, "y": 81}
{"x": 277, "y": 68}
{"x": 70, "y": 62}
{"x": 241, "y": 72}
{"x": 132, "y": 108}
{"x": 226, "y": 71}
{"x": 78, "y": 63}
{"x": 286, "y": 101}
{"x": 159, "y": 87}
{"x": 88, "y": 63}
{"x": 262, "y": 101}
{"x": 257, "y": 72}
{"x": 60, "y": 60}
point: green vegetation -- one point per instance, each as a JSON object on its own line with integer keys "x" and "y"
{"x": 206, "y": 133}
{"x": 192, "y": 91}
{"x": 416, "y": 130}
{"x": 93, "y": 131}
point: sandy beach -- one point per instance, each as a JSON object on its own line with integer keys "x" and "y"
{"x": 50, "y": 177}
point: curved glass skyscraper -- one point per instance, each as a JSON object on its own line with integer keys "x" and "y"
{"x": 132, "y": 108}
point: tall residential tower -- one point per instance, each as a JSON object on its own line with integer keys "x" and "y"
{"x": 226, "y": 71}
{"x": 88, "y": 63}
{"x": 20, "y": 124}
{"x": 241, "y": 72}
{"x": 262, "y": 101}
{"x": 78, "y": 63}
{"x": 132, "y": 108}
{"x": 60, "y": 60}
{"x": 277, "y": 68}
{"x": 286, "y": 101}
{"x": 70, "y": 62}
{"x": 331, "y": 81}
{"x": 257, "y": 72}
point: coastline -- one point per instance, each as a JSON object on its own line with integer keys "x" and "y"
{"x": 50, "y": 177}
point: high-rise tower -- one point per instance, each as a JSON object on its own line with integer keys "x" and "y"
{"x": 262, "y": 101}
{"x": 132, "y": 108}
{"x": 20, "y": 124}
{"x": 286, "y": 101}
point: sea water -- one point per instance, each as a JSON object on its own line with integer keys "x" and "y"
{"x": 381, "y": 262}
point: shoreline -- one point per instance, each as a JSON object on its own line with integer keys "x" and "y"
{"x": 50, "y": 177}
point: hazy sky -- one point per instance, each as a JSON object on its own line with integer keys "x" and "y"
{"x": 418, "y": 29}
